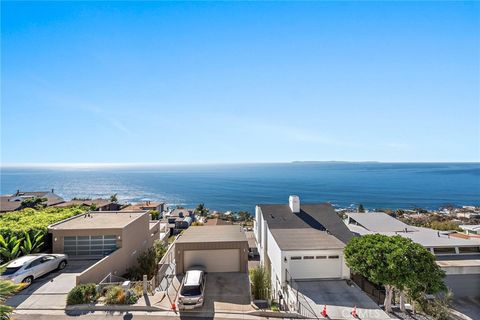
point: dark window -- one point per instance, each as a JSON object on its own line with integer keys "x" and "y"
{"x": 443, "y": 250}
{"x": 469, "y": 249}
{"x": 35, "y": 263}
{"x": 321, "y": 257}
{"x": 189, "y": 291}
{"x": 308, "y": 257}
{"x": 295, "y": 258}
{"x": 333, "y": 257}
{"x": 10, "y": 270}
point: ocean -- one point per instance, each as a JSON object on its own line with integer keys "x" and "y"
{"x": 241, "y": 186}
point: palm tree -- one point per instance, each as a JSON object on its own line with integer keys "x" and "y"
{"x": 201, "y": 210}
{"x": 114, "y": 198}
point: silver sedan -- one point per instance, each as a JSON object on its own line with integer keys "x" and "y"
{"x": 27, "y": 268}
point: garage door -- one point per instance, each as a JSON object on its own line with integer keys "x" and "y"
{"x": 89, "y": 245}
{"x": 315, "y": 267}
{"x": 222, "y": 260}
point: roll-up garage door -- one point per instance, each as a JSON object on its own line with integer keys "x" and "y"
{"x": 220, "y": 260}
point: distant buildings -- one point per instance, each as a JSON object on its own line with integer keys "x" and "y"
{"x": 98, "y": 204}
{"x": 146, "y": 205}
{"x": 14, "y": 202}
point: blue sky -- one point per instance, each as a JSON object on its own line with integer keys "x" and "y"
{"x": 239, "y": 82}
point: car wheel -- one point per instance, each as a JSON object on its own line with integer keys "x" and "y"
{"x": 62, "y": 265}
{"x": 27, "y": 281}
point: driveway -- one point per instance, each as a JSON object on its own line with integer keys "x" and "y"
{"x": 50, "y": 291}
{"x": 340, "y": 299}
{"x": 225, "y": 292}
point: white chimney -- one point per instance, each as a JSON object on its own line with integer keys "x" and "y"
{"x": 294, "y": 203}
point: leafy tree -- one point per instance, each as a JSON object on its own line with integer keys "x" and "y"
{"x": 34, "y": 202}
{"x": 201, "y": 210}
{"x": 444, "y": 225}
{"x": 93, "y": 207}
{"x": 394, "y": 262}
{"x": 7, "y": 289}
{"x": 361, "y": 208}
{"x": 260, "y": 283}
{"x": 32, "y": 244}
{"x": 113, "y": 198}
{"x": 154, "y": 214}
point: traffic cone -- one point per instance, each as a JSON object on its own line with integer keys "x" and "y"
{"x": 174, "y": 307}
{"x": 324, "y": 311}
{"x": 354, "y": 312}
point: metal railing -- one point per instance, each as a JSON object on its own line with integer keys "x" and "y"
{"x": 295, "y": 297}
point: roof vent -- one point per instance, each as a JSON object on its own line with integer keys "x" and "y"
{"x": 294, "y": 203}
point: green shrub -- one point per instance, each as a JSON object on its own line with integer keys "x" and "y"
{"x": 115, "y": 295}
{"x": 260, "y": 283}
{"x": 147, "y": 262}
{"x": 131, "y": 297}
{"x": 82, "y": 293}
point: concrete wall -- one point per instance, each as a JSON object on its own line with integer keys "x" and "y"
{"x": 181, "y": 247}
{"x": 463, "y": 285}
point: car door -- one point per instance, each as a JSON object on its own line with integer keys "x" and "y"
{"x": 48, "y": 264}
{"x": 34, "y": 268}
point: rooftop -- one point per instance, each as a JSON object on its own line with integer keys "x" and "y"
{"x": 98, "y": 220}
{"x": 230, "y": 233}
{"x": 320, "y": 221}
{"x": 217, "y": 222}
{"x": 379, "y": 221}
{"x": 142, "y": 205}
{"x": 470, "y": 227}
{"x": 97, "y": 202}
{"x": 424, "y": 236}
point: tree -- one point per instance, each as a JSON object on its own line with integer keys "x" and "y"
{"x": 154, "y": 214}
{"x": 33, "y": 202}
{"x": 201, "y": 210}
{"x": 113, "y": 198}
{"x": 361, "y": 208}
{"x": 394, "y": 262}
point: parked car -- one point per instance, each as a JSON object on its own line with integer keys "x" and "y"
{"x": 193, "y": 289}
{"x": 27, "y": 268}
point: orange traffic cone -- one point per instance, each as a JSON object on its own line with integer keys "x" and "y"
{"x": 354, "y": 312}
{"x": 174, "y": 307}
{"x": 324, "y": 311}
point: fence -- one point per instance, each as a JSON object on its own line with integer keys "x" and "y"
{"x": 147, "y": 286}
{"x": 375, "y": 292}
{"x": 296, "y": 300}
{"x": 167, "y": 272}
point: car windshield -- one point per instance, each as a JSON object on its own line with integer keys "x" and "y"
{"x": 10, "y": 270}
{"x": 189, "y": 291}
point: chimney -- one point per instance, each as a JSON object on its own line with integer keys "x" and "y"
{"x": 53, "y": 190}
{"x": 294, "y": 203}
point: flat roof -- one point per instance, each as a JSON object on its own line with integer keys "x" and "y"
{"x": 212, "y": 234}
{"x": 305, "y": 239}
{"x": 458, "y": 263}
{"x": 426, "y": 237}
{"x": 98, "y": 220}
{"x": 379, "y": 221}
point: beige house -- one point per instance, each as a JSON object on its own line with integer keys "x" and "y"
{"x": 217, "y": 248}
{"x": 116, "y": 238}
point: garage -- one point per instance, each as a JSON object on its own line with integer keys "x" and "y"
{"x": 220, "y": 260}
{"x": 218, "y": 248}
{"x": 315, "y": 267}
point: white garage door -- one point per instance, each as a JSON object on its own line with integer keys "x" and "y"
{"x": 315, "y": 267}
{"x": 222, "y": 260}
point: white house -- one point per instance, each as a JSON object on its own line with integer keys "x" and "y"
{"x": 301, "y": 242}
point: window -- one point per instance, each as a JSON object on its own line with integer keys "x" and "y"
{"x": 308, "y": 257}
{"x": 469, "y": 249}
{"x": 90, "y": 245}
{"x": 34, "y": 263}
{"x": 333, "y": 257}
{"x": 296, "y": 258}
{"x": 444, "y": 250}
{"x": 321, "y": 257}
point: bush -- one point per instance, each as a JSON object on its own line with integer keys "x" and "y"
{"x": 132, "y": 297}
{"x": 147, "y": 262}
{"x": 115, "y": 295}
{"x": 82, "y": 293}
{"x": 260, "y": 282}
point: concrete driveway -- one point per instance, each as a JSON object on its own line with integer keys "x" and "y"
{"x": 340, "y": 299}
{"x": 226, "y": 292}
{"x": 50, "y": 291}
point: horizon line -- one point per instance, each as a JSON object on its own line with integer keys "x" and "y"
{"x": 146, "y": 164}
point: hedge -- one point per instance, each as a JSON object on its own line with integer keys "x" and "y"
{"x": 32, "y": 220}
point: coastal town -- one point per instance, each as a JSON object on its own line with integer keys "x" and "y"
{"x": 287, "y": 260}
